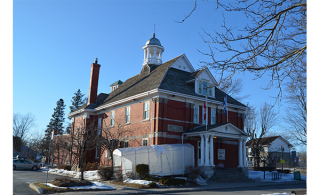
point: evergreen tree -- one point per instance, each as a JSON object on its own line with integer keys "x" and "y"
{"x": 77, "y": 100}
{"x": 57, "y": 120}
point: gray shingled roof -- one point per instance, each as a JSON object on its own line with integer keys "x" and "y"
{"x": 139, "y": 84}
{"x": 176, "y": 79}
{"x": 264, "y": 140}
{"x": 162, "y": 77}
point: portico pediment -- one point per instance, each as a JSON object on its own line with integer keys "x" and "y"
{"x": 227, "y": 130}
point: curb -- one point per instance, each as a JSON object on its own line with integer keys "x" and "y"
{"x": 36, "y": 188}
{"x": 205, "y": 189}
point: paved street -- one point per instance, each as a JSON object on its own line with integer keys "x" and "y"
{"x": 300, "y": 189}
{"x": 22, "y": 179}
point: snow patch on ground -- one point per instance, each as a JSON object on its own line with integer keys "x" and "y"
{"x": 96, "y": 185}
{"x": 258, "y": 176}
{"x": 142, "y": 182}
{"x": 89, "y": 175}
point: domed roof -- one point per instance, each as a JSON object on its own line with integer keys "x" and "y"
{"x": 153, "y": 41}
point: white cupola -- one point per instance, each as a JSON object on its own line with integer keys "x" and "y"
{"x": 152, "y": 51}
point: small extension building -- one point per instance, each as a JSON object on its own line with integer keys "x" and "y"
{"x": 164, "y": 104}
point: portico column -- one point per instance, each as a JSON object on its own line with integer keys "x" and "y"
{"x": 207, "y": 150}
{"x": 211, "y": 151}
{"x": 240, "y": 153}
{"x": 202, "y": 151}
{"x": 244, "y": 153}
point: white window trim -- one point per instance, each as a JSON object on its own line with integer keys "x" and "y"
{"x": 99, "y": 126}
{"x": 208, "y": 84}
{"x": 97, "y": 153}
{"x": 215, "y": 117}
{"x": 196, "y": 106}
{"x": 108, "y": 154}
{"x": 124, "y": 143}
{"x": 128, "y": 107}
{"x": 143, "y": 140}
{"x": 144, "y": 110}
{"x": 112, "y": 118}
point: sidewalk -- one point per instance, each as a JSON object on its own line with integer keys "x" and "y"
{"x": 211, "y": 186}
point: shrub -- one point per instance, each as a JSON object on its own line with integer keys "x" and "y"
{"x": 129, "y": 175}
{"x": 172, "y": 182}
{"x": 65, "y": 167}
{"x": 142, "y": 170}
{"x": 119, "y": 176}
{"x": 152, "y": 185}
{"x": 105, "y": 173}
{"x": 91, "y": 166}
{"x": 191, "y": 173}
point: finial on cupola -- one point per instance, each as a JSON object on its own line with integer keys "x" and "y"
{"x": 96, "y": 61}
{"x": 154, "y": 31}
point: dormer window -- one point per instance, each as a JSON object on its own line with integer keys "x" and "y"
{"x": 205, "y": 88}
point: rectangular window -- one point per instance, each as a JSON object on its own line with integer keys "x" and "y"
{"x": 195, "y": 114}
{"x": 112, "y": 118}
{"x": 97, "y": 151}
{"x": 210, "y": 91}
{"x": 200, "y": 87}
{"x": 126, "y": 143}
{"x": 205, "y": 86}
{"x": 99, "y": 126}
{"x": 213, "y": 116}
{"x": 146, "y": 110}
{"x": 144, "y": 141}
{"x": 127, "y": 114}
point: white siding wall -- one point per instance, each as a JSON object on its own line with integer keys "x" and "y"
{"x": 276, "y": 146}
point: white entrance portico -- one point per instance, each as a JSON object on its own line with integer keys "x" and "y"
{"x": 226, "y": 132}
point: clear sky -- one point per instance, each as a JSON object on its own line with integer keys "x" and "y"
{"x": 55, "y": 42}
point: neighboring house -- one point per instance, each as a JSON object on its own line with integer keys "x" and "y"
{"x": 270, "y": 150}
{"x": 164, "y": 104}
{"x": 25, "y": 151}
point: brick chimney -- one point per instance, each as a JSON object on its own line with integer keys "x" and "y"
{"x": 94, "y": 77}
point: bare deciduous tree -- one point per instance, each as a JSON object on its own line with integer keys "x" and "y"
{"x": 257, "y": 126}
{"x": 295, "y": 120}
{"x": 232, "y": 87}
{"x": 114, "y": 138}
{"x": 273, "y": 42}
{"x": 22, "y": 124}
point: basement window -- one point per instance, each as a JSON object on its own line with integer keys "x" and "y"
{"x": 144, "y": 141}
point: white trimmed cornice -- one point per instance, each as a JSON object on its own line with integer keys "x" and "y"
{"x": 146, "y": 94}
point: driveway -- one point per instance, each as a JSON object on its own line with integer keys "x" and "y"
{"x": 22, "y": 179}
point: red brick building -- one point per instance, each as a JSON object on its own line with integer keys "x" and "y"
{"x": 164, "y": 104}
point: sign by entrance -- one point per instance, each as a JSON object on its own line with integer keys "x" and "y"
{"x": 295, "y": 159}
{"x": 175, "y": 128}
{"x": 282, "y": 161}
{"x": 221, "y": 154}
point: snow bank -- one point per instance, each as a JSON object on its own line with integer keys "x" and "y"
{"x": 143, "y": 182}
{"x": 96, "y": 185}
{"x": 89, "y": 175}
